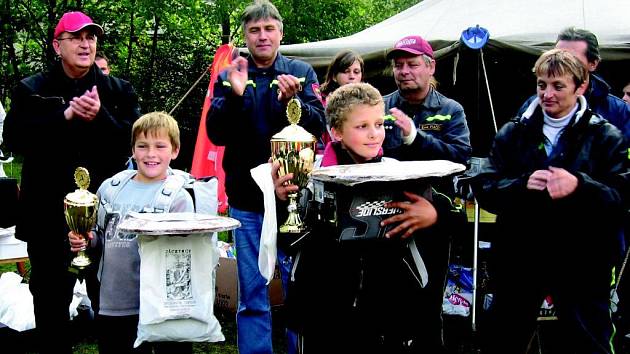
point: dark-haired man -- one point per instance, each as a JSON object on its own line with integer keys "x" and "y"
{"x": 102, "y": 62}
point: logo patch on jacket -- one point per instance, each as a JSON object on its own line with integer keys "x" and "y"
{"x": 432, "y": 127}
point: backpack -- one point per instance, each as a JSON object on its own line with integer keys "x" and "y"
{"x": 203, "y": 192}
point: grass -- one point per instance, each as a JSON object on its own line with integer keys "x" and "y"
{"x": 14, "y": 169}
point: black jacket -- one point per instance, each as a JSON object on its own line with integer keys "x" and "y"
{"x": 338, "y": 280}
{"x": 53, "y": 147}
{"x": 580, "y": 230}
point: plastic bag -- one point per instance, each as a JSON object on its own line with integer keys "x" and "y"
{"x": 458, "y": 294}
{"x": 267, "y": 254}
{"x": 16, "y": 303}
{"x": 176, "y": 291}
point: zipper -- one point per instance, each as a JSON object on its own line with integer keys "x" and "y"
{"x": 295, "y": 265}
{"x": 356, "y": 296}
{"x": 50, "y": 98}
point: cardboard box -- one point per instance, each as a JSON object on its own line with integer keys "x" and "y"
{"x": 227, "y": 286}
{"x": 276, "y": 297}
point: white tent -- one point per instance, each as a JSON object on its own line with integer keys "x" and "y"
{"x": 528, "y": 25}
{"x": 520, "y": 30}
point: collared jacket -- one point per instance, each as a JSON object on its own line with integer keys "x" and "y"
{"x": 580, "y": 231}
{"x": 600, "y": 101}
{"x": 54, "y": 147}
{"x": 245, "y": 124}
{"x": 441, "y": 125}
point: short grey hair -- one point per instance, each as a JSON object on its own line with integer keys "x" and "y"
{"x": 260, "y": 10}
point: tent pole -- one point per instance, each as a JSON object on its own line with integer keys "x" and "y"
{"x": 485, "y": 76}
{"x": 475, "y": 260}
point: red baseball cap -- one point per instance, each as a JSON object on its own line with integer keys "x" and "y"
{"x": 75, "y": 21}
{"x": 411, "y": 44}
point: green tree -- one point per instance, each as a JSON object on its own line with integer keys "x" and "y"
{"x": 163, "y": 46}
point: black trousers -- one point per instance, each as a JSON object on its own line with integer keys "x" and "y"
{"x": 51, "y": 285}
{"x": 581, "y": 299}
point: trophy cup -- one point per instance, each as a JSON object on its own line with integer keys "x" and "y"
{"x": 80, "y": 209}
{"x": 294, "y": 149}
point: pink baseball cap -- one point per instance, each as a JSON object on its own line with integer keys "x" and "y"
{"x": 411, "y": 44}
{"x": 75, "y": 21}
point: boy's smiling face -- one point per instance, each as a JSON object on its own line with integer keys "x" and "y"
{"x": 153, "y": 154}
{"x": 362, "y": 133}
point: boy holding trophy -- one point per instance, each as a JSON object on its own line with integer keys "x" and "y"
{"x": 351, "y": 283}
{"x": 155, "y": 142}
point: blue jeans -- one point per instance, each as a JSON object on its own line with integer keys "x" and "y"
{"x": 253, "y": 318}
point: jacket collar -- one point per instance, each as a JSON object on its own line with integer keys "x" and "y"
{"x": 534, "y": 106}
{"x": 336, "y": 154}
{"x": 88, "y": 79}
{"x": 279, "y": 66}
{"x": 597, "y": 88}
{"x": 432, "y": 101}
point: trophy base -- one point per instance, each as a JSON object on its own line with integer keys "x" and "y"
{"x": 292, "y": 229}
{"x": 294, "y": 223}
{"x": 81, "y": 261}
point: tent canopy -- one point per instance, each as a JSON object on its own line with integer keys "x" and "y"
{"x": 520, "y": 30}
{"x": 530, "y": 26}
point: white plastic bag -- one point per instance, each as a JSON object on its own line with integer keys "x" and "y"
{"x": 267, "y": 254}
{"x": 16, "y": 303}
{"x": 177, "y": 289}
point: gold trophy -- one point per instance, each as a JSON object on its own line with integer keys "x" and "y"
{"x": 294, "y": 149}
{"x": 80, "y": 209}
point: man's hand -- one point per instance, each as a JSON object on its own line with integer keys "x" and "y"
{"x": 403, "y": 121}
{"x": 78, "y": 242}
{"x": 561, "y": 183}
{"x": 237, "y": 75}
{"x": 85, "y": 107}
{"x": 282, "y": 188}
{"x": 418, "y": 214}
{"x": 538, "y": 180}
{"x": 289, "y": 86}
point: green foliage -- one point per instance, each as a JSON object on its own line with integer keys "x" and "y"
{"x": 162, "y": 65}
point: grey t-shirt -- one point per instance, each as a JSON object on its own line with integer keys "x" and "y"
{"x": 119, "y": 270}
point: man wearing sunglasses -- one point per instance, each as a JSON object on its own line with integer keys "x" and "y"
{"x": 69, "y": 116}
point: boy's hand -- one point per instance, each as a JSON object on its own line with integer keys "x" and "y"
{"x": 280, "y": 184}
{"x": 418, "y": 214}
{"x": 237, "y": 75}
{"x": 78, "y": 242}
